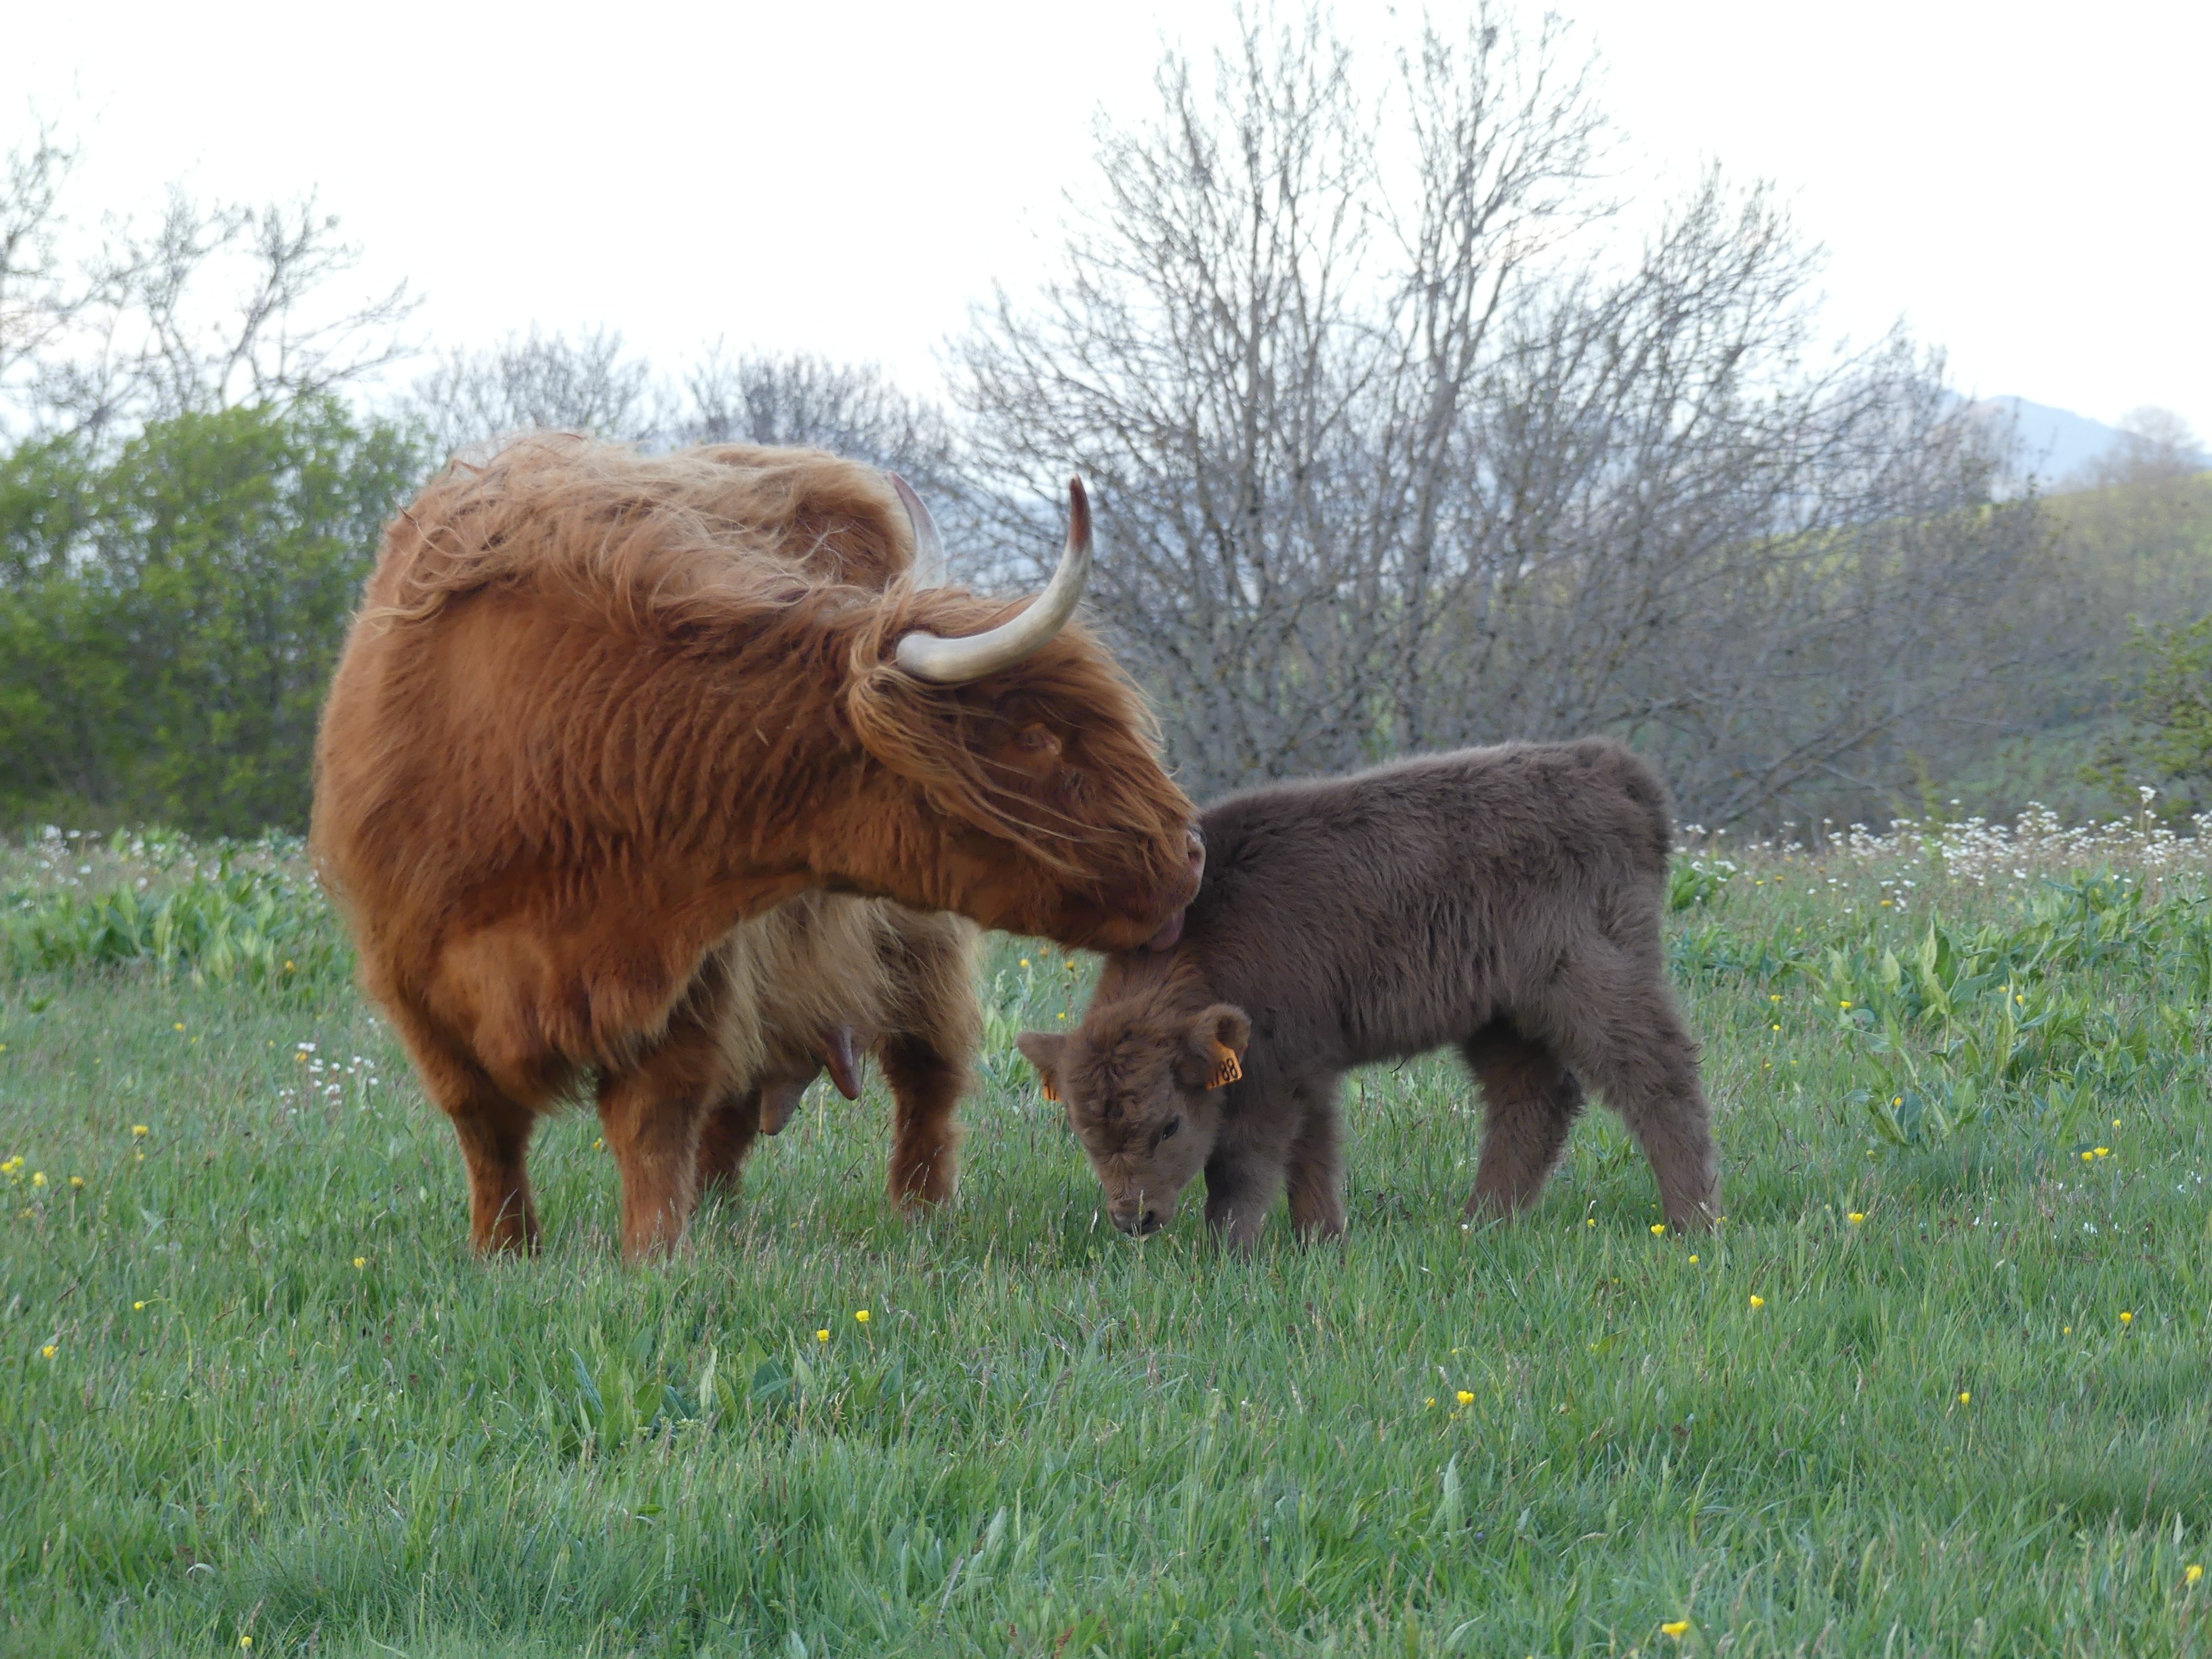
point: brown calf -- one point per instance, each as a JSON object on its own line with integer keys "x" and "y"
{"x": 1504, "y": 899}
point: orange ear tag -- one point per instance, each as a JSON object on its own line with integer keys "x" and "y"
{"x": 1050, "y": 1093}
{"x": 1227, "y": 1072}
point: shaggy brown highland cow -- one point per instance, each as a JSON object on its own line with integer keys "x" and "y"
{"x": 600, "y": 708}
{"x": 822, "y": 979}
{"x": 1506, "y": 900}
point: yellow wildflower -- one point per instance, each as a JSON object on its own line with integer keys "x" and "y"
{"x": 77, "y": 1181}
{"x": 1845, "y": 1006}
{"x": 138, "y": 1306}
{"x": 2127, "y": 1318}
{"x": 1465, "y": 1397}
{"x": 1592, "y": 1222}
{"x": 360, "y": 1261}
{"x": 181, "y": 1025}
{"x": 1693, "y": 1262}
{"x": 1964, "y": 1398}
{"x": 139, "y": 1132}
{"x": 861, "y": 1317}
{"x": 1025, "y": 962}
{"x": 821, "y": 1336}
{"x": 1430, "y": 1401}
{"x": 2104, "y": 1152}
{"x": 2191, "y": 1573}
{"x": 1759, "y": 1301}
{"x": 1658, "y": 1230}
{"x": 1856, "y": 1217}
{"x": 48, "y": 1351}
{"x": 38, "y": 1177}
{"x": 1678, "y": 1629}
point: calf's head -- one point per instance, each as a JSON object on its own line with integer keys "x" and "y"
{"x": 1143, "y": 1086}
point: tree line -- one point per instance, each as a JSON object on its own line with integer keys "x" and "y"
{"x": 1405, "y": 431}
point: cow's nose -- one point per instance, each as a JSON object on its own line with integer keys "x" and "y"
{"x": 1148, "y": 1222}
{"x": 1124, "y": 1218}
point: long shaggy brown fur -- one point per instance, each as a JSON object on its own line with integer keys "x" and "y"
{"x": 600, "y": 708}
{"x": 1505, "y": 901}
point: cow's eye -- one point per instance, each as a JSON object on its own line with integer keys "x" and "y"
{"x": 1170, "y": 1127}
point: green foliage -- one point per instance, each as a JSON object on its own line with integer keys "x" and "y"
{"x": 2170, "y": 710}
{"x": 259, "y": 929}
{"x": 283, "y": 1402}
{"x": 169, "y": 614}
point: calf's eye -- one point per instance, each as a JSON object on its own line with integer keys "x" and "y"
{"x": 1173, "y": 1124}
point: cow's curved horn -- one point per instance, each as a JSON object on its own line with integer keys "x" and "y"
{"x": 957, "y": 662}
{"x": 929, "y": 570}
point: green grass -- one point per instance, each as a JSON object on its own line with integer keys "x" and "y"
{"x": 1048, "y": 1440}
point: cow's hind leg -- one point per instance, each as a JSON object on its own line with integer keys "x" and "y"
{"x": 495, "y": 1135}
{"x": 927, "y": 1059}
{"x": 728, "y": 1139}
{"x": 1618, "y": 1028}
{"x": 493, "y": 1130}
{"x": 1530, "y": 1101}
{"x": 654, "y": 1112}
{"x": 926, "y": 1085}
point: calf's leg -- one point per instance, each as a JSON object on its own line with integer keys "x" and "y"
{"x": 1316, "y": 1174}
{"x": 1615, "y": 1023}
{"x": 1530, "y": 1101}
{"x": 1241, "y": 1188}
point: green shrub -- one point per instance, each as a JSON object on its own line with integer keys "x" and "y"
{"x": 259, "y": 928}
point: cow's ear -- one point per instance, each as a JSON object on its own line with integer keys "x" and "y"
{"x": 1044, "y": 1049}
{"x": 1213, "y": 1046}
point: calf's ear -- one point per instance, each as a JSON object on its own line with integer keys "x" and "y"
{"x": 1044, "y": 1049}
{"x": 1213, "y": 1046}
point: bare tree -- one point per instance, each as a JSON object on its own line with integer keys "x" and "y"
{"x": 1396, "y": 449}
{"x": 585, "y": 385}
{"x": 39, "y": 291}
{"x": 2156, "y": 446}
{"x": 217, "y": 305}
{"x": 851, "y": 409}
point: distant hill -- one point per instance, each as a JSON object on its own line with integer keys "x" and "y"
{"x": 2054, "y": 443}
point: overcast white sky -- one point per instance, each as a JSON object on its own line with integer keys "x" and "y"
{"x": 2025, "y": 183}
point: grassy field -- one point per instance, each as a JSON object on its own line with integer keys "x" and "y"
{"x": 1939, "y": 1385}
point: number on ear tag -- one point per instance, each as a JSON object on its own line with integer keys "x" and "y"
{"x": 1227, "y": 1072}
